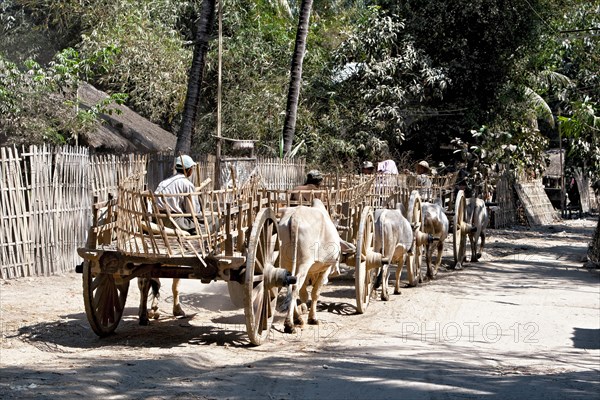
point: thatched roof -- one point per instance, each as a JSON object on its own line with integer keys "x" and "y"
{"x": 554, "y": 169}
{"x": 125, "y": 132}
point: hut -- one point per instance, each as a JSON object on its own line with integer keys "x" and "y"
{"x": 123, "y": 131}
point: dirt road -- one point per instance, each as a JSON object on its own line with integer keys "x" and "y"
{"x": 522, "y": 324}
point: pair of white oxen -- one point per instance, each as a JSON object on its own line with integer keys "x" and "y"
{"x": 311, "y": 247}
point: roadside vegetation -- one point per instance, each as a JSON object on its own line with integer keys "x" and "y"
{"x": 445, "y": 81}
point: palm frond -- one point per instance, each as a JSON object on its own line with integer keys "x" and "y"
{"x": 536, "y": 102}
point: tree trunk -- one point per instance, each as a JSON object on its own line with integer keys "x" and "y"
{"x": 289, "y": 126}
{"x": 594, "y": 250}
{"x": 192, "y": 99}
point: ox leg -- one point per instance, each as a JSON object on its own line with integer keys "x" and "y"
{"x": 400, "y": 260}
{"x": 474, "y": 239}
{"x": 482, "y": 245}
{"x": 318, "y": 283}
{"x": 398, "y": 274}
{"x": 292, "y": 313}
{"x": 177, "y": 310}
{"x": 155, "y": 286}
{"x": 385, "y": 277}
{"x": 303, "y": 303}
{"x": 428, "y": 257}
{"x": 438, "y": 261}
{"x": 144, "y": 286}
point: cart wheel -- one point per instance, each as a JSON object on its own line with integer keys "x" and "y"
{"x": 458, "y": 231}
{"x": 260, "y": 297}
{"x": 365, "y": 274}
{"x": 415, "y": 216}
{"x": 104, "y": 298}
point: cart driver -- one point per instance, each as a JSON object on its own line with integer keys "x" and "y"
{"x": 423, "y": 180}
{"x": 177, "y": 184}
{"x": 367, "y": 168}
{"x": 313, "y": 182}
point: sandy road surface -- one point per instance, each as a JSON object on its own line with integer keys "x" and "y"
{"x": 524, "y": 323}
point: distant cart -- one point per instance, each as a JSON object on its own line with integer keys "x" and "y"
{"x": 391, "y": 190}
{"x": 236, "y": 241}
{"x": 346, "y": 199}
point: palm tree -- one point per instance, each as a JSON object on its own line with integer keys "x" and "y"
{"x": 289, "y": 126}
{"x": 192, "y": 99}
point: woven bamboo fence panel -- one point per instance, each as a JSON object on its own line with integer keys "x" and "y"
{"x": 505, "y": 212}
{"x": 45, "y": 203}
{"x": 41, "y": 207}
{"x": 538, "y": 208}
{"x": 15, "y": 241}
{"x": 46, "y": 195}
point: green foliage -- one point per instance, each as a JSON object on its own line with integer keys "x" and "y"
{"x": 582, "y": 129}
{"x": 152, "y": 63}
{"x": 520, "y": 149}
{"x": 477, "y": 43}
{"x": 40, "y": 104}
{"x": 399, "y": 80}
{"x": 378, "y": 83}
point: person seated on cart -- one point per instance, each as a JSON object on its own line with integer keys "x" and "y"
{"x": 367, "y": 168}
{"x": 423, "y": 172}
{"x": 179, "y": 183}
{"x": 313, "y": 182}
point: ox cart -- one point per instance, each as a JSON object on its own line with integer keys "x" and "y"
{"x": 236, "y": 241}
{"x": 346, "y": 200}
{"x": 393, "y": 190}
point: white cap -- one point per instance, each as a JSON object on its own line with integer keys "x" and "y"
{"x": 184, "y": 161}
{"x": 424, "y": 164}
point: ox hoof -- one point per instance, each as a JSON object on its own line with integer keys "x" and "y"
{"x": 299, "y": 322}
{"x": 178, "y": 311}
{"x": 385, "y": 297}
{"x": 289, "y": 329}
{"x": 303, "y": 308}
{"x": 396, "y": 291}
{"x": 458, "y": 266}
{"x": 313, "y": 321}
{"x": 153, "y": 314}
{"x": 144, "y": 321}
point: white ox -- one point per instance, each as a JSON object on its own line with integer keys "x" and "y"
{"x": 477, "y": 216}
{"x": 435, "y": 223}
{"x": 393, "y": 239}
{"x": 310, "y": 247}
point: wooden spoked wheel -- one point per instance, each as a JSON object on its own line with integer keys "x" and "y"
{"x": 260, "y": 288}
{"x": 104, "y": 297}
{"x": 458, "y": 230}
{"x": 365, "y": 274}
{"x": 415, "y": 217}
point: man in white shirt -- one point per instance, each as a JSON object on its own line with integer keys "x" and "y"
{"x": 178, "y": 184}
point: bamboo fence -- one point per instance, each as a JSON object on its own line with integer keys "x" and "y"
{"x": 45, "y": 203}
{"x": 15, "y": 239}
{"x": 46, "y": 197}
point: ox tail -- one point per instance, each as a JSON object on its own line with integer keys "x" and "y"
{"x": 155, "y": 286}
{"x": 379, "y": 228}
{"x": 294, "y": 253}
{"x": 379, "y": 279}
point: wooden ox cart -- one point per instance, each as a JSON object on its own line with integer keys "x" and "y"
{"x": 236, "y": 241}
{"x": 391, "y": 190}
{"x": 346, "y": 199}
